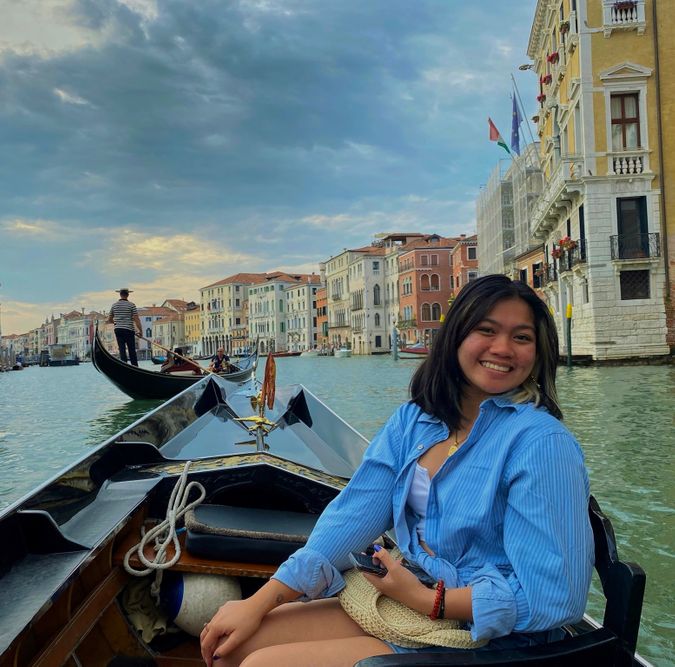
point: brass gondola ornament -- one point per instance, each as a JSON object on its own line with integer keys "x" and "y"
{"x": 258, "y": 424}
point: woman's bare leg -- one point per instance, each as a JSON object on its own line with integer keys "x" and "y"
{"x": 289, "y": 633}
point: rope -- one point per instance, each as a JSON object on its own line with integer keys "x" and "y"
{"x": 165, "y": 533}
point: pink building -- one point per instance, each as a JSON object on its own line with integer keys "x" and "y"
{"x": 464, "y": 258}
{"x": 425, "y": 286}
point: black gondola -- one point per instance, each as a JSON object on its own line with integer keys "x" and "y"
{"x": 146, "y": 384}
{"x": 62, "y": 572}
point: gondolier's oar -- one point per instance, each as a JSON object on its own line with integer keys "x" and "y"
{"x": 175, "y": 354}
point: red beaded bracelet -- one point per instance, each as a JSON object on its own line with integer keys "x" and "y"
{"x": 440, "y": 596}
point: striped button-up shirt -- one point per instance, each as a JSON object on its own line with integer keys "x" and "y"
{"x": 507, "y": 515}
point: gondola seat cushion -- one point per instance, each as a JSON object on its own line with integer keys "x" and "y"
{"x": 245, "y": 534}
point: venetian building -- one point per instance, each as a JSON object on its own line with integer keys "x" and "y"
{"x": 602, "y": 216}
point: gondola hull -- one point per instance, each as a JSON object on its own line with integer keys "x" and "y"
{"x": 142, "y": 383}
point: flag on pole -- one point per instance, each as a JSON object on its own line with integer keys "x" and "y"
{"x": 516, "y": 120}
{"x": 495, "y": 136}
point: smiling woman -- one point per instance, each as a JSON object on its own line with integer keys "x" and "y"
{"x": 481, "y": 482}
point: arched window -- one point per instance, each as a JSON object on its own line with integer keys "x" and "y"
{"x": 377, "y": 319}
{"x": 424, "y": 283}
{"x": 376, "y": 295}
{"x": 426, "y": 312}
{"x": 435, "y": 282}
{"x": 436, "y": 312}
{"x": 148, "y": 333}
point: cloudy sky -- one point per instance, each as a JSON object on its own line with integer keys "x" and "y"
{"x": 166, "y": 144}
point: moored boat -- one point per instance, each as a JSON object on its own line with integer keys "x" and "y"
{"x": 63, "y": 581}
{"x": 343, "y": 352}
{"x": 146, "y": 384}
{"x": 157, "y": 359}
{"x": 413, "y": 351}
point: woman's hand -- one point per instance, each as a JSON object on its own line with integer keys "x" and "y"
{"x": 230, "y": 627}
{"x": 401, "y": 584}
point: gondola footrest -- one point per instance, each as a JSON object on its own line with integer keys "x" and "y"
{"x": 245, "y": 534}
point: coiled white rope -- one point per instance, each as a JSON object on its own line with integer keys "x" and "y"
{"x": 164, "y": 533}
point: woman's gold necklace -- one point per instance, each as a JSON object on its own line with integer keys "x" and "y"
{"x": 455, "y": 446}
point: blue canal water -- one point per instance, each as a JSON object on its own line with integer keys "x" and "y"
{"x": 623, "y": 416}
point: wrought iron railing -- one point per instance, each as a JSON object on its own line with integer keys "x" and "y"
{"x": 549, "y": 275}
{"x": 577, "y": 255}
{"x": 635, "y": 246}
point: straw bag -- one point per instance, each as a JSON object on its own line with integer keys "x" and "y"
{"x": 391, "y": 621}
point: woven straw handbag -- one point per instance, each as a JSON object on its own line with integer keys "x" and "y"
{"x": 392, "y": 621}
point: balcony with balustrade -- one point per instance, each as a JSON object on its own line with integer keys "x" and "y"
{"x": 623, "y": 15}
{"x": 635, "y": 246}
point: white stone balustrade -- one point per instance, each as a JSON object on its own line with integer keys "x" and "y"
{"x": 623, "y": 15}
{"x": 626, "y": 164}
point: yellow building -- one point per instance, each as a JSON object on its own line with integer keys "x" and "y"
{"x": 602, "y": 215}
{"x": 193, "y": 328}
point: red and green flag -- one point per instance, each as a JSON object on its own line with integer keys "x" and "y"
{"x": 495, "y": 136}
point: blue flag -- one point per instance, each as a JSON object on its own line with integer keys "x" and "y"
{"x": 516, "y": 120}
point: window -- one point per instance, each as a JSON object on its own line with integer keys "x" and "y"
{"x": 435, "y": 282}
{"x": 424, "y": 283}
{"x": 376, "y": 266}
{"x": 625, "y": 122}
{"x": 424, "y": 260}
{"x": 471, "y": 252}
{"x": 452, "y": 282}
{"x": 378, "y": 341}
{"x": 376, "y": 295}
{"x": 436, "y": 312}
{"x": 377, "y": 319}
{"x": 632, "y": 227}
{"x": 148, "y": 333}
{"x": 473, "y": 275}
{"x": 523, "y": 276}
{"x": 426, "y": 312}
{"x": 634, "y": 285}
{"x": 434, "y": 260}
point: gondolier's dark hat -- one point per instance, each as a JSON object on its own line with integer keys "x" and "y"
{"x": 126, "y": 290}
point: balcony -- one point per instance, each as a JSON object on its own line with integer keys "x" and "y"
{"x": 406, "y": 324}
{"x": 547, "y": 274}
{"x": 556, "y": 199}
{"x": 623, "y": 15}
{"x": 628, "y": 163}
{"x": 578, "y": 255}
{"x": 635, "y": 246}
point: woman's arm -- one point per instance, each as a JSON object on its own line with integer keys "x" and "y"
{"x": 360, "y": 513}
{"x": 547, "y": 539}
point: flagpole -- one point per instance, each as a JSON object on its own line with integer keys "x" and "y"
{"x": 522, "y": 111}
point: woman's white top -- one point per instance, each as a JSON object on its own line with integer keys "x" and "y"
{"x": 419, "y": 497}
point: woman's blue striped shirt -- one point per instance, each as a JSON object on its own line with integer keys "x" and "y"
{"x": 507, "y": 515}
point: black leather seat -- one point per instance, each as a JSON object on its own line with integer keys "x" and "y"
{"x": 244, "y": 534}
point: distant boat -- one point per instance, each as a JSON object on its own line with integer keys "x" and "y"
{"x": 310, "y": 353}
{"x": 61, "y": 354}
{"x": 287, "y": 353}
{"x": 414, "y": 351}
{"x": 343, "y": 352}
{"x": 142, "y": 383}
{"x": 157, "y": 360}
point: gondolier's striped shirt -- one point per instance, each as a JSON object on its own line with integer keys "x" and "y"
{"x": 123, "y": 312}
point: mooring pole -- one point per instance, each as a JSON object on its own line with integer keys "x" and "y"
{"x": 568, "y": 331}
{"x": 394, "y": 342}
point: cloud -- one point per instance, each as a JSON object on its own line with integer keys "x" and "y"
{"x": 36, "y": 230}
{"x": 68, "y": 98}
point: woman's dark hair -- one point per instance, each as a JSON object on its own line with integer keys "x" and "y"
{"x": 437, "y": 386}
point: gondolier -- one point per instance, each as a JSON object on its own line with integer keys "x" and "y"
{"x": 124, "y": 316}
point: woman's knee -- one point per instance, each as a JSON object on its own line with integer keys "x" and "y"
{"x": 263, "y": 657}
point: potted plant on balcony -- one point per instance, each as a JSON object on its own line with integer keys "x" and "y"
{"x": 546, "y": 79}
{"x": 625, "y": 5}
{"x": 564, "y": 27}
{"x": 566, "y": 243}
{"x": 541, "y": 98}
{"x": 556, "y": 252}
{"x": 553, "y": 57}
